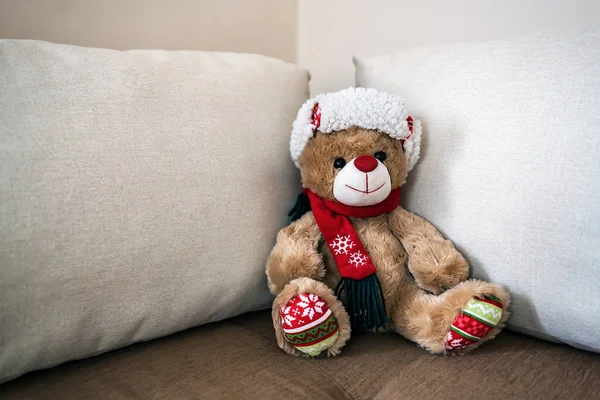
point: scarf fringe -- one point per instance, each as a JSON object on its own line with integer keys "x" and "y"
{"x": 364, "y": 301}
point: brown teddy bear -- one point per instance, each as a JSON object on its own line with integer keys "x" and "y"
{"x": 357, "y": 260}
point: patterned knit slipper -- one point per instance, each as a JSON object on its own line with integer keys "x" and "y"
{"x": 476, "y": 321}
{"x": 308, "y": 324}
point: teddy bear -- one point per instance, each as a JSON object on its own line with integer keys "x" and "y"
{"x": 353, "y": 259}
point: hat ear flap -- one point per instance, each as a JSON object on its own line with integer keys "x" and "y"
{"x": 412, "y": 145}
{"x": 303, "y": 128}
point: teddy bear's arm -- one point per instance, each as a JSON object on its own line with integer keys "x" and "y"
{"x": 434, "y": 262}
{"x": 295, "y": 254}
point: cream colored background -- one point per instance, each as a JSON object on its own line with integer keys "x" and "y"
{"x": 331, "y": 32}
{"x": 254, "y": 26}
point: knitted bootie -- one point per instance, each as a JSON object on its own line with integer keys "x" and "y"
{"x": 308, "y": 324}
{"x": 474, "y": 323}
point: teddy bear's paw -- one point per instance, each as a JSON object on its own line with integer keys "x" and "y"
{"x": 479, "y": 317}
{"x": 309, "y": 324}
{"x": 448, "y": 271}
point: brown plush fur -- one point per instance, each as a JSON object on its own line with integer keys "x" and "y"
{"x": 420, "y": 307}
{"x": 298, "y": 256}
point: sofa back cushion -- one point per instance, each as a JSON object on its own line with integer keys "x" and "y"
{"x": 140, "y": 193}
{"x": 510, "y": 167}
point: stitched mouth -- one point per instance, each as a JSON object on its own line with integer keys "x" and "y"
{"x": 365, "y": 191}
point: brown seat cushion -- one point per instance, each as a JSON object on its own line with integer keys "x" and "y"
{"x": 238, "y": 358}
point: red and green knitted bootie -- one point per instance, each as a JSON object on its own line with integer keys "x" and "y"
{"x": 308, "y": 324}
{"x": 477, "y": 320}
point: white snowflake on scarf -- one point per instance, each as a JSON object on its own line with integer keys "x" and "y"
{"x": 342, "y": 244}
{"x": 357, "y": 259}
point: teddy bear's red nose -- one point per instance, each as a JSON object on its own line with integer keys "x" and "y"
{"x": 365, "y": 163}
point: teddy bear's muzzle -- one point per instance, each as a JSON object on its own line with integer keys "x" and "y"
{"x": 364, "y": 181}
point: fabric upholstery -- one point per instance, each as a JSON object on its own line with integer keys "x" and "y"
{"x": 140, "y": 193}
{"x": 509, "y": 167}
{"x": 239, "y": 359}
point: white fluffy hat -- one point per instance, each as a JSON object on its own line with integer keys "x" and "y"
{"x": 365, "y": 108}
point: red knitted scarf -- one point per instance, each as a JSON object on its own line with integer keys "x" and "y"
{"x": 351, "y": 257}
{"x": 359, "y": 288}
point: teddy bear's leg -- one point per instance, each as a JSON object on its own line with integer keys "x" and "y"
{"x": 458, "y": 320}
{"x": 309, "y": 319}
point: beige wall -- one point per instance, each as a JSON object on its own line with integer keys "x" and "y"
{"x": 255, "y": 26}
{"x": 326, "y": 36}
{"x": 332, "y": 31}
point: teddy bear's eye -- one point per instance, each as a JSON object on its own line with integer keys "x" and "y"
{"x": 380, "y": 155}
{"x": 339, "y": 163}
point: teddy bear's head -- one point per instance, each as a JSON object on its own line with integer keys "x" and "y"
{"x": 354, "y": 146}
{"x": 354, "y": 166}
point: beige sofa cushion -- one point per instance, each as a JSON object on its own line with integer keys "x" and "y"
{"x": 140, "y": 193}
{"x": 510, "y": 167}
